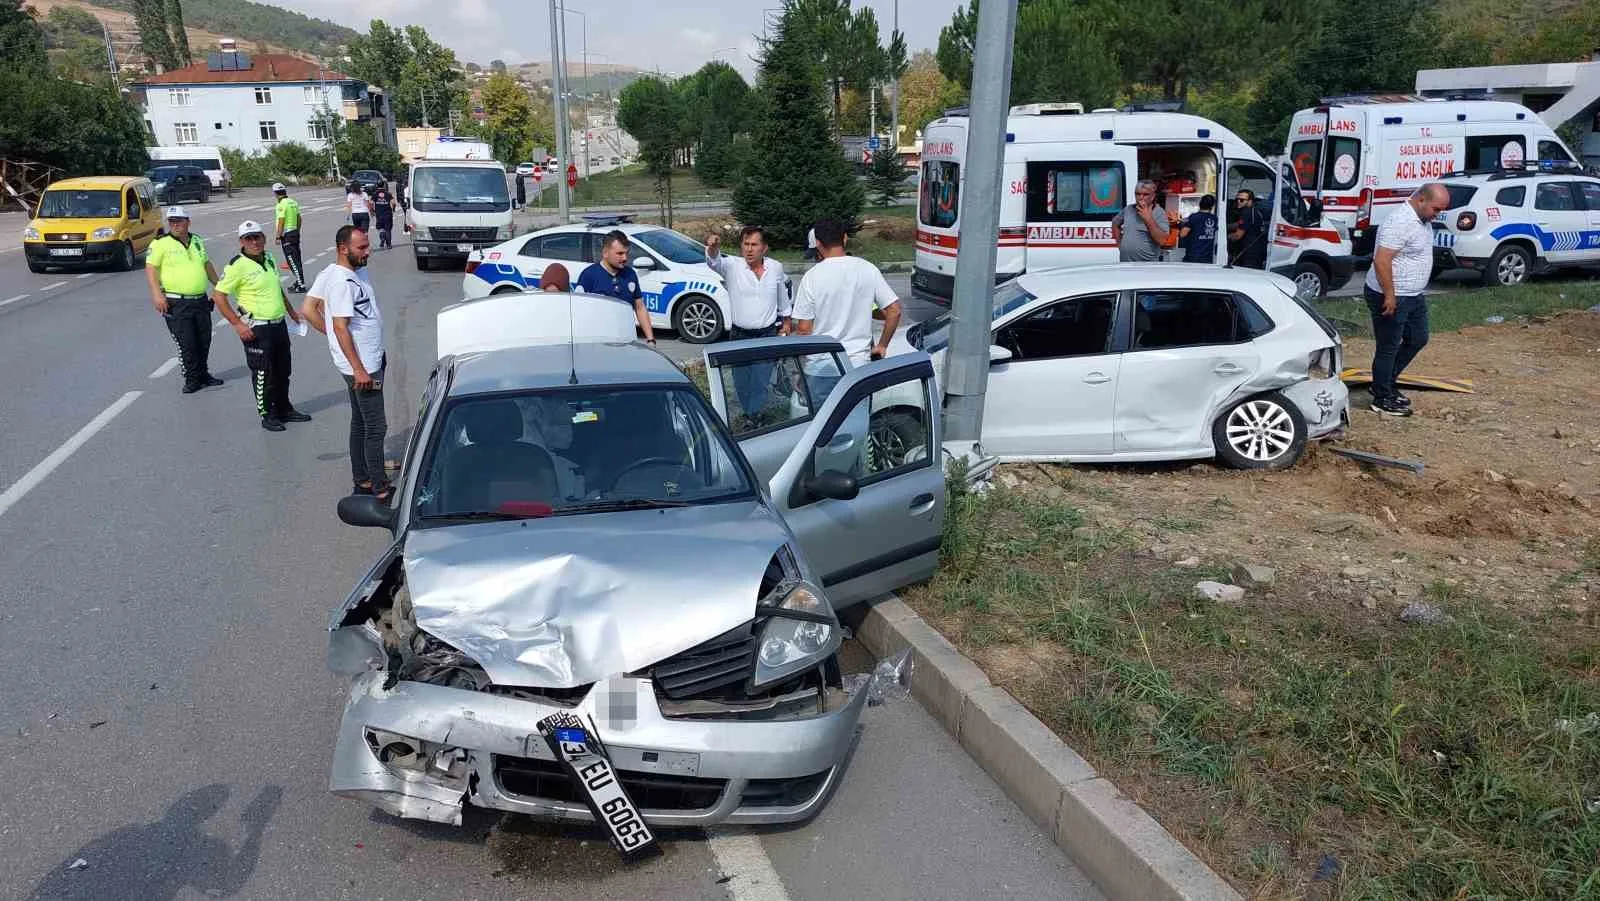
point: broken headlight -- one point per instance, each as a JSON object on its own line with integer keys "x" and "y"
{"x": 800, "y": 632}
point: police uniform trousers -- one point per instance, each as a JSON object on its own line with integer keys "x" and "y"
{"x": 291, "y": 253}
{"x": 269, "y": 361}
{"x": 189, "y": 320}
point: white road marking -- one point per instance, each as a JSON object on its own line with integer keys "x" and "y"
{"x": 31, "y": 479}
{"x": 745, "y": 865}
{"x": 83, "y": 275}
{"x": 11, "y": 300}
{"x": 164, "y": 368}
{"x": 52, "y": 286}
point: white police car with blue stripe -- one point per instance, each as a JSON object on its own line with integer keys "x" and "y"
{"x": 680, "y": 290}
{"x": 1509, "y": 224}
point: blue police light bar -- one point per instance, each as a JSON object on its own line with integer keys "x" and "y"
{"x": 602, "y": 220}
{"x": 1391, "y": 120}
{"x": 1461, "y": 117}
{"x": 1203, "y": 132}
{"x": 1105, "y": 135}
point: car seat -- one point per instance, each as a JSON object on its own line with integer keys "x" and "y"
{"x": 496, "y": 466}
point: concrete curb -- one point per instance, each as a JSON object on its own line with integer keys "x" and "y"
{"x": 1123, "y": 849}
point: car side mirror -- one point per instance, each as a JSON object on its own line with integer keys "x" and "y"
{"x": 998, "y": 354}
{"x": 367, "y": 511}
{"x": 644, "y": 263}
{"x": 834, "y": 485}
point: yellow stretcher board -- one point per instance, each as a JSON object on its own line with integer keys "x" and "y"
{"x": 1410, "y": 380}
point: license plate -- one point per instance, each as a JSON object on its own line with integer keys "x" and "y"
{"x": 464, "y": 248}
{"x": 598, "y": 781}
{"x": 66, "y": 251}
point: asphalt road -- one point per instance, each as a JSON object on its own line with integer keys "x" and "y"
{"x": 169, "y": 569}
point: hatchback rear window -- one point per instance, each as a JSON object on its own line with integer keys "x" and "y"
{"x": 1461, "y": 195}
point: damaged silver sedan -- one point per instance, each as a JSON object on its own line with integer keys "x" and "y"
{"x": 578, "y": 537}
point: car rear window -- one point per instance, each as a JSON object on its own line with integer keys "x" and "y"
{"x": 940, "y": 193}
{"x": 1516, "y": 196}
{"x": 1461, "y": 195}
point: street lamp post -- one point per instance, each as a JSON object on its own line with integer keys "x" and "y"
{"x": 559, "y": 83}
{"x": 585, "y": 98}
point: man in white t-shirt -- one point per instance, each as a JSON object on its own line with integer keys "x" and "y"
{"x": 358, "y": 206}
{"x": 343, "y": 305}
{"x": 841, "y": 295}
{"x": 1402, "y": 263}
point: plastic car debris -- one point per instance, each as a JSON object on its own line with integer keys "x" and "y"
{"x": 889, "y": 681}
{"x": 1415, "y": 466}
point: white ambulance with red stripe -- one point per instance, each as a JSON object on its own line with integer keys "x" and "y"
{"x": 1373, "y": 151}
{"x": 1067, "y": 174}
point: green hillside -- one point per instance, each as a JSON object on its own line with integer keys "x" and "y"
{"x": 258, "y": 22}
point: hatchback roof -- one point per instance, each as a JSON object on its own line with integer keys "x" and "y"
{"x": 612, "y": 363}
{"x": 102, "y": 182}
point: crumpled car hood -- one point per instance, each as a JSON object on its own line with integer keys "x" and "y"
{"x": 571, "y": 600}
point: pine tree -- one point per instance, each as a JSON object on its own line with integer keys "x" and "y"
{"x": 885, "y": 176}
{"x": 180, "y": 36}
{"x": 151, "y": 18}
{"x": 796, "y": 173}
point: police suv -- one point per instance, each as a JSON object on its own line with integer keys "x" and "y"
{"x": 1508, "y": 224}
{"x": 680, "y": 290}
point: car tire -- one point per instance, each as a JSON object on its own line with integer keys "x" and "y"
{"x": 126, "y": 258}
{"x": 697, "y": 320}
{"x": 1265, "y": 431}
{"x": 1310, "y": 280}
{"x": 893, "y": 433}
{"x": 205, "y": 195}
{"x": 1510, "y": 265}
{"x": 506, "y": 289}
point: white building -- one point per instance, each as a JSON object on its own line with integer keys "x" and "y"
{"x": 252, "y": 102}
{"x": 1558, "y": 92}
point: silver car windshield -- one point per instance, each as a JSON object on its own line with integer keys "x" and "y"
{"x": 577, "y": 450}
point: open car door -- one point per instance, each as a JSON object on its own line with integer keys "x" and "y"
{"x": 863, "y": 488}
{"x": 767, "y": 389}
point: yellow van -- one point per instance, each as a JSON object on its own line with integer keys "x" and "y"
{"x": 93, "y": 221}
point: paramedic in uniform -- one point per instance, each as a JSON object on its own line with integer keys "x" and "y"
{"x": 288, "y": 215}
{"x": 180, "y": 276}
{"x": 252, "y": 279}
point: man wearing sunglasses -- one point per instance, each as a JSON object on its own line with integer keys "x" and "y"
{"x": 257, "y": 314}
{"x": 1247, "y": 233}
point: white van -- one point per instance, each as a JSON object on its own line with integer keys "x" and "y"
{"x": 208, "y": 159}
{"x": 1067, "y": 174}
{"x": 1372, "y": 152}
{"x": 456, "y": 201}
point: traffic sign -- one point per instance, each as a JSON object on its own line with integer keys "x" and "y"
{"x": 873, "y": 143}
{"x": 572, "y": 175}
{"x": 538, "y": 174}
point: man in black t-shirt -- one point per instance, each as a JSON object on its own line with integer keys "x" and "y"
{"x": 1247, "y": 232}
{"x": 1198, "y": 236}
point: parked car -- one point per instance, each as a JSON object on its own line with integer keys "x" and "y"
{"x": 96, "y": 220}
{"x": 680, "y": 290}
{"x": 176, "y": 184}
{"x": 1145, "y": 362}
{"x": 526, "y": 168}
{"x": 575, "y": 532}
{"x": 369, "y": 179}
{"x": 1510, "y": 224}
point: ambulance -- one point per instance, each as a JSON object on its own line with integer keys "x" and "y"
{"x": 1373, "y": 151}
{"x": 1067, "y": 173}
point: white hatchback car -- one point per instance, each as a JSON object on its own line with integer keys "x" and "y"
{"x": 680, "y": 290}
{"x": 1511, "y": 224}
{"x": 1147, "y": 362}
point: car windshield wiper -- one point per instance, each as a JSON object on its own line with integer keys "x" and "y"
{"x": 487, "y": 515}
{"x": 629, "y": 503}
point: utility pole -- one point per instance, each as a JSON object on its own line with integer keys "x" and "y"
{"x": 894, "y": 103}
{"x": 872, "y": 105}
{"x": 966, "y": 373}
{"x": 559, "y": 76}
{"x": 422, "y": 98}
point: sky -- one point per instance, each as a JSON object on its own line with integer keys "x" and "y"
{"x": 645, "y": 34}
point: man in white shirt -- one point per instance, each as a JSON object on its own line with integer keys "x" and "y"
{"x": 358, "y": 206}
{"x": 343, "y": 305}
{"x": 841, "y": 295}
{"x": 758, "y": 297}
{"x": 1401, "y": 265}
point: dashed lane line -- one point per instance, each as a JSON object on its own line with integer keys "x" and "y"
{"x": 12, "y": 300}
{"x": 31, "y": 479}
{"x": 164, "y": 368}
{"x": 745, "y": 865}
{"x": 52, "y": 286}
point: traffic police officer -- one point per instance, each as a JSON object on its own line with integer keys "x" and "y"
{"x": 252, "y": 279}
{"x": 288, "y": 213}
{"x": 180, "y": 275}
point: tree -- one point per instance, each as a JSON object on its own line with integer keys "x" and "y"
{"x": 497, "y": 66}
{"x": 796, "y": 173}
{"x": 845, "y": 44}
{"x": 75, "y": 44}
{"x": 1063, "y": 50}
{"x": 150, "y": 16}
{"x": 378, "y": 56}
{"x": 83, "y": 129}
{"x": 360, "y": 147}
{"x": 21, "y": 42}
{"x": 925, "y": 93}
{"x": 180, "y": 35}
{"x": 651, "y": 111}
{"x": 715, "y": 102}
{"x": 420, "y": 74}
{"x": 885, "y": 176}
{"x": 511, "y": 125}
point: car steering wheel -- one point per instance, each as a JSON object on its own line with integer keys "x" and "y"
{"x": 639, "y": 464}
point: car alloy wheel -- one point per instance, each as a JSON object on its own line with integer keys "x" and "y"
{"x": 1309, "y": 282}
{"x": 125, "y": 256}
{"x": 698, "y": 320}
{"x": 1511, "y": 268}
{"x": 1260, "y": 430}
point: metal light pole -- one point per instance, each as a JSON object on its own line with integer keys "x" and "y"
{"x": 585, "y": 51}
{"x": 966, "y": 374}
{"x": 894, "y": 104}
{"x": 559, "y": 75}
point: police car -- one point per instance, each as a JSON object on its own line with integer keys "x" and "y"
{"x": 680, "y": 290}
{"x": 1508, "y": 224}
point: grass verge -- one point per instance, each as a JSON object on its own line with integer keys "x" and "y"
{"x": 1306, "y": 752}
{"x": 632, "y": 185}
{"x": 1473, "y": 306}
